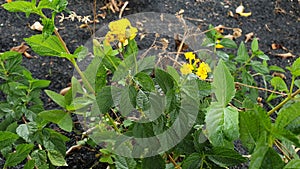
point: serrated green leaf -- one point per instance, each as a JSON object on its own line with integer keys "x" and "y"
{"x": 104, "y": 99}
{"x": 254, "y": 45}
{"x": 21, "y": 6}
{"x": 56, "y": 158}
{"x": 260, "y": 54}
{"x": 279, "y": 84}
{"x": 22, "y": 150}
{"x": 228, "y": 43}
{"x": 7, "y": 138}
{"x": 225, "y": 157}
{"x": 147, "y": 163}
{"x": 242, "y": 53}
{"x": 223, "y": 84}
{"x": 57, "y": 98}
{"x": 27, "y": 130}
{"x": 131, "y": 48}
{"x": 293, "y": 164}
{"x": 124, "y": 162}
{"x": 49, "y": 47}
{"x": 61, "y": 118}
{"x": 192, "y": 161}
{"x": 221, "y": 124}
{"x": 40, "y": 158}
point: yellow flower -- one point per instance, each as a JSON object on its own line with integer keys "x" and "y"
{"x": 189, "y": 55}
{"x": 120, "y": 30}
{"x": 186, "y": 69}
{"x": 218, "y": 45}
{"x": 202, "y": 70}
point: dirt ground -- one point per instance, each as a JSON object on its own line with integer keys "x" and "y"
{"x": 272, "y": 21}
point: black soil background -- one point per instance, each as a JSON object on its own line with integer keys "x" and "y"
{"x": 272, "y": 21}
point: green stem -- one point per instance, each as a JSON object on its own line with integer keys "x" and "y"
{"x": 246, "y": 63}
{"x": 111, "y": 120}
{"x": 284, "y": 102}
{"x": 84, "y": 79}
{"x": 292, "y": 84}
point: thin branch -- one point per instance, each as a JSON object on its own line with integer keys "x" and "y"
{"x": 260, "y": 88}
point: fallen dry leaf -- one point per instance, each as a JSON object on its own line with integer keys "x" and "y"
{"x": 281, "y": 75}
{"x": 229, "y": 36}
{"x": 165, "y": 43}
{"x": 22, "y": 49}
{"x": 249, "y": 36}
{"x": 64, "y": 91}
{"x": 284, "y": 55}
{"x": 237, "y": 32}
{"x": 37, "y": 26}
{"x": 220, "y": 28}
{"x": 275, "y": 46}
{"x": 178, "y": 43}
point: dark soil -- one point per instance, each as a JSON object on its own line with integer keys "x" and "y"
{"x": 272, "y": 21}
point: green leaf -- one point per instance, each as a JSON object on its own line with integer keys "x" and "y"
{"x": 145, "y": 81}
{"x": 49, "y": 47}
{"x": 250, "y": 130}
{"x": 173, "y": 72}
{"x": 7, "y": 138}
{"x": 221, "y": 124}
{"x": 254, "y": 45}
{"x": 81, "y": 52}
{"x": 265, "y": 157}
{"x": 22, "y": 150}
{"x": 222, "y": 55}
{"x": 29, "y": 164}
{"x": 56, "y": 158}
{"x": 27, "y": 130}
{"x": 276, "y": 68}
{"x": 48, "y": 27}
{"x": 242, "y": 53}
{"x": 55, "y": 5}
{"x": 295, "y": 68}
{"x": 164, "y": 80}
{"x": 260, "y": 54}
{"x": 295, "y": 163}
{"x": 259, "y": 67}
{"x": 124, "y": 162}
{"x": 131, "y": 48}
{"x": 40, "y": 158}
{"x": 192, "y": 161}
{"x": 21, "y": 6}
{"x": 279, "y": 84}
{"x": 104, "y": 99}
{"x": 223, "y": 84}
{"x": 225, "y": 157}
{"x": 61, "y": 118}
{"x": 228, "y": 43}
{"x": 148, "y": 163}
{"x": 57, "y": 98}
{"x": 39, "y": 84}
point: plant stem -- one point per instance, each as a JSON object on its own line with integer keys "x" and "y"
{"x": 84, "y": 79}
{"x": 284, "y": 102}
{"x": 111, "y": 120}
{"x": 61, "y": 41}
{"x": 173, "y": 161}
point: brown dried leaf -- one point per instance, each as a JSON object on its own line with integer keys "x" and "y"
{"x": 284, "y": 55}
{"x": 249, "y": 36}
{"x": 275, "y": 46}
{"x": 178, "y": 43}
{"x": 21, "y": 48}
{"x": 237, "y": 32}
{"x": 229, "y": 36}
{"x": 281, "y": 75}
{"x": 165, "y": 43}
{"x": 220, "y": 28}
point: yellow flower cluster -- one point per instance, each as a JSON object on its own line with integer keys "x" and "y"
{"x": 120, "y": 30}
{"x": 193, "y": 66}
